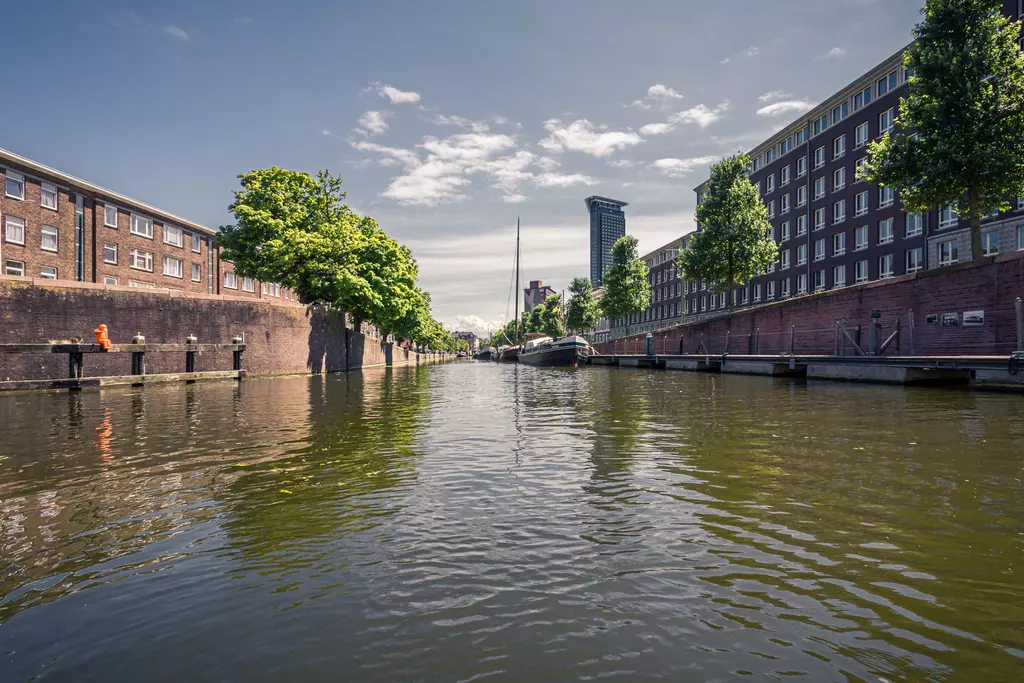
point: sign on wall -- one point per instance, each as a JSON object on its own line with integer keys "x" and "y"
{"x": 974, "y": 318}
{"x": 950, "y": 319}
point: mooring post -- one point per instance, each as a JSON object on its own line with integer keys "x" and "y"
{"x": 757, "y": 341}
{"x": 75, "y": 362}
{"x": 138, "y": 357}
{"x": 910, "y": 330}
{"x": 1020, "y": 323}
{"x": 190, "y": 353}
{"x": 898, "y": 335}
{"x": 750, "y": 343}
{"x": 835, "y": 344}
{"x": 842, "y": 341}
{"x": 792, "y": 340}
{"x": 727, "y": 333}
{"x": 875, "y": 340}
{"x": 238, "y": 354}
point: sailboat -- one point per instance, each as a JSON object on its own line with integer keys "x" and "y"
{"x": 510, "y": 354}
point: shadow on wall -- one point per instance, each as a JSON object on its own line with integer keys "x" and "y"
{"x": 332, "y": 346}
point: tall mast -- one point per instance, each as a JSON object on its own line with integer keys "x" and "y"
{"x": 518, "y": 293}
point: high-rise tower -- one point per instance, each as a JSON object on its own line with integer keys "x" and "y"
{"x": 607, "y": 224}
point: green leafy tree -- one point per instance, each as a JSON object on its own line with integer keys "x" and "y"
{"x": 583, "y": 310}
{"x": 551, "y": 316}
{"x": 626, "y": 289}
{"x": 388, "y": 274}
{"x": 733, "y": 244}
{"x": 960, "y": 130}
{"x": 296, "y": 231}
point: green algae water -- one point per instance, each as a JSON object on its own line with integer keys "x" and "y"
{"x": 475, "y": 521}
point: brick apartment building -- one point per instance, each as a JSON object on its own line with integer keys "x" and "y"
{"x": 665, "y": 307}
{"x": 58, "y": 227}
{"x": 833, "y": 230}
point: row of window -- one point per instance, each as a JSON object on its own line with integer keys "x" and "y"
{"x": 14, "y": 233}
{"x": 14, "y": 188}
{"x": 840, "y": 112}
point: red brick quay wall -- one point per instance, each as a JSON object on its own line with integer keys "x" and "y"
{"x": 945, "y": 304}
{"x": 280, "y": 338}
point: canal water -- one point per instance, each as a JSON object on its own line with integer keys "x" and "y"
{"x": 471, "y": 521}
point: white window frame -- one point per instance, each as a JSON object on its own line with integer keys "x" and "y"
{"x": 248, "y": 285}
{"x": 784, "y": 204}
{"x": 839, "y": 212}
{"x": 859, "y": 245}
{"x": 784, "y": 175}
{"x": 885, "y": 267}
{"x": 769, "y": 290}
{"x": 784, "y": 262}
{"x": 769, "y": 184}
{"x": 48, "y": 189}
{"x": 839, "y": 147}
{"x": 856, "y": 169}
{"x": 819, "y": 281}
{"x": 819, "y": 249}
{"x": 883, "y": 238}
{"x": 14, "y": 177}
{"x": 19, "y": 268}
{"x": 771, "y": 209}
{"x": 839, "y": 276}
{"x": 52, "y": 232}
{"x": 861, "y": 203}
{"x": 801, "y": 284}
{"x": 801, "y": 196}
{"x": 917, "y": 220}
{"x": 918, "y": 261}
{"x": 986, "y": 243}
{"x": 819, "y": 187}
{"x": 107, "y": 280}
{"x": 174, "y": 236}
{"x": 15, "y": 223}
{"x": 839, "y": 244}
{"x": 952, "y": 247}
{"x": 819, "y": 213}
{"x": 145, "y": 257}
{"x": 105, "y": 259}
{"x": 230, "y": 281}
{"x": 819, "y": 157}
{"x": 48, "y": 275}
{"x": 886, "y": 197}
{"x": 952, "y": 218}
{"x": 839, "y": 179}
{"x": 134, "y": 284}
{"x": 862, "y": 135}
{"x": 784, "y": 232}
{"x": 1020, "y": 230}
{"x": 801, "y": 167}
{"x": 801, "y": 255}
{"x": 858, "y": 276}
{"x": 784, "y": 290}
{"x": 197, "y": 272}
{"x": 174, "y": 267}
{"x": 197, "y": 242}
{"x": 107, "y": 208}
{"x": 801, "y": 225}
{"x": 886, "y": 121}
{"x": 142, "y": 226}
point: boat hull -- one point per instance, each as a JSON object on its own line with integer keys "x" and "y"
{"x": 566, "y": 356}
{"x": 508, "y": 356}
{"x": 483, "y": 355}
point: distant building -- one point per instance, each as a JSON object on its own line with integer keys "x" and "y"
{"x": 607, "y": 224}
{"x": 535, "y": 294}
{"x": 601, "y": 333}
{"x": 471, "y": 340}
{"x": 665, "y": 308}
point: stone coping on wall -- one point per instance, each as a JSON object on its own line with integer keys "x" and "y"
{"x": 163, "y": 293}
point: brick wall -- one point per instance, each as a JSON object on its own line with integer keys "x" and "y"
{"x": 991, "y": 286}
{"x": 280, "y": 338}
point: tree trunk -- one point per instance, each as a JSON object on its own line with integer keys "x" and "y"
{"x": 732, "y": 283}
{"x": 974, "y": 219}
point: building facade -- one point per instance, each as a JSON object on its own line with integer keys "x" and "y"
{"x": 470, "y": 338}
{"x": 607, "y": 224}
{"x": 58, "y": 227}
{"x": 535, "y": 294}
{"x": 665, "y": 307}
{"x": 834, "y": 230}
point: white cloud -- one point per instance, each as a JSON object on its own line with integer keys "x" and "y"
{"x": 773, "y": 95}
{"x": 640, "y": 104}
{"x": 726, "y": 60}
{"x": 701, "y": 115}
{"x": 477, "y": 325}
{"x": 622, "y": 163}
{"x": 373, "y": 123}
{"x": 546, "y": 163}
{"x": 397, "y": 96}
{"x": 661, "y": 92}
{"x": 513, "y": 198}
{"x": 562, "y": 180}
{"x": 176, "y": 32}
{"x": 752, "y": 51}
{"x": 406, "y": 157}
{"x": 786, "y": 107}
{"x": 834, "y": 53}
{"x": 461, "y": 122}
{"x": 677, "y": 168}
{"x": 581, "y": 136}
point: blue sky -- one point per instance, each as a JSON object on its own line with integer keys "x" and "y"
{"x": 447, "y": 119}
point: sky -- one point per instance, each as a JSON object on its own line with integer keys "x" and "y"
{"x": 448, "y": 120}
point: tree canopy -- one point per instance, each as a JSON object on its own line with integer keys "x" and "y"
{"x": 583, "y": 310}
{"x": 297, "y": 231}
{"x": 734, "y": 243}
{"x": 626, "y": 289}
{"x": 959, "y": 133}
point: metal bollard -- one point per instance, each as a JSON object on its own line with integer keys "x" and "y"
{"x": 138, "y": 357}
{"x": 75, "y": 362}
{"x": 1019, "y": 307}
{"x": 238, "y": 354}
{"x": 792, "y": 339}
{"x": 190, "y": 354}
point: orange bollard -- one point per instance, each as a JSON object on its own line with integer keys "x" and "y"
{"x": 101, "y": 337}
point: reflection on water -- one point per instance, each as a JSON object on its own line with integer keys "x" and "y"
{"x": 472, "y": 520}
